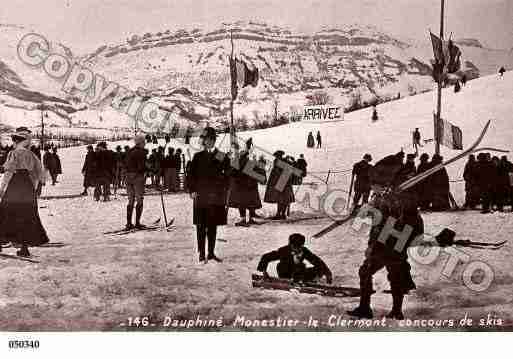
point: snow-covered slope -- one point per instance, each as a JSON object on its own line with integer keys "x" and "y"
{"x": 97, "y": 281}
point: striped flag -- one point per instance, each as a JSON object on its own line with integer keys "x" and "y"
{"x": 449, "y": 135}
{"x": 242, "y": 75}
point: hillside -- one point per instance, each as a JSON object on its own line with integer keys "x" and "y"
{"x": 95, "y": 282}
{"x": 186, "y": 71}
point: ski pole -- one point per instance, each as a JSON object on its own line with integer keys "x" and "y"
{"x": 350, "y": 192}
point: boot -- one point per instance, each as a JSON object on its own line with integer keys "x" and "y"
{"x": 211, "y": 235}
{"x": 138, "y": 214}
{"x": 363, "y": 310}
{"x": 200, "y": 237}
{"x": 129, "y": 211}
{"x": 23, "y": 252}
{"x": 397, "y": 307}
{"x": 242, "y": 223}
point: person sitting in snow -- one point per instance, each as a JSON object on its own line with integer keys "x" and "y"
{"x": 291, "y": 262}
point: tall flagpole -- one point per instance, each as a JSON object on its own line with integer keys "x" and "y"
{"x": 439, "y": 94}
{"x": 232, "y": 127}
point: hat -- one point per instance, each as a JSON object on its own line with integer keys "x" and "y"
{"x": 367, "y": 156}
{"x": 208, "y": 132}
{"x": 424, "y": 157}
{"x": 22, "y": 133}
{"x": 296, "y": 240}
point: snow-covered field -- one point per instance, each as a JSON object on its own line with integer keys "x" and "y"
{"x": 98, "y": 282}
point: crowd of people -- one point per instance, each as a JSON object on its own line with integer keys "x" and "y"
{"x": 105, "y": 169}
{"x": 488, "y": 181}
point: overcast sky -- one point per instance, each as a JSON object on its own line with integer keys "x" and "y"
{"x": 86, "y": 24}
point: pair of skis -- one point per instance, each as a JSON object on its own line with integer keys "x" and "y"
{"x": 259, "y": 281}
{"x": 420, "y": 177}
{"x": 155, "y": 226}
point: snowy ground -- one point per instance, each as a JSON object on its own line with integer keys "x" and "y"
{"x": 97, "y": 282}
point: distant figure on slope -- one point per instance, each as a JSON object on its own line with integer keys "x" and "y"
{"x": 19, "y": 219}
{"x": 457, "y": 87}
{"x": 291, "y": 262}
{"x": 424, "y": 187}
{"x": 310, "y": 142}
{"x": 464, "y": 80}
{"x": 502, "y": 70}
{"x": 374, "y": 114}
{"x": 319, "y": 139}
{"x": 416, "y": 140}
{"x": 362, "y": 185}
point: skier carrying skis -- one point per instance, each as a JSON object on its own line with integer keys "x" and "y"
{"x": 386, "y": 251}
{"x": 291, "y": 262}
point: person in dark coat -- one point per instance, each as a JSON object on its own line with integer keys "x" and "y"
{"x": 385, "y": 171}
{"x": 506, "y": 172}
{"x": 19, "y": 212}
{"x": 424, "y": 187}
{"x": 310, "y": 141}
{"x": 56, "y": 169}
{"x": 283, "y": 197}
{"x": 88, "y": 169}
{"x": 502, "y": 70}
{"x": 386, "y": 254}
{"x": 471, "y": 186}
{"x": 416, "y": 139}
{"x": 439, "y": 182}
{"x": 362, "y": 183}
{"x": 104, "y": 170}
{"x": 168, "y": 166}
{"x": 319, "y": 139}
{"x": 178, "y": 168}
{"x": 291, "y": 262}
{"x": 302, "y": 165}
{"x": 135, "y": 181}
{"x": 503, "y": 193}
{"x": 207, "y": 181}
{"x": 243, "y": 193}
{"x": 496, "y": 201}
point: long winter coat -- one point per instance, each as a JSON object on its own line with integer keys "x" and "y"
{"x": 243, "y": 192}
{"x": 89, "y": 169}
{"x": 361, "y": 171}
{"x": 272, "y": 193}
{"x": 208, "y": 178}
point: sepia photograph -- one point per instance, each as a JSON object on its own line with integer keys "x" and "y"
{"x": 255, "y": 166}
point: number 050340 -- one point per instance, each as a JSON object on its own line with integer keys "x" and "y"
{"x": 23, "y": 344}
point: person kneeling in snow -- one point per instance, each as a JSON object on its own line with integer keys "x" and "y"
{"x": 291, "y": 265}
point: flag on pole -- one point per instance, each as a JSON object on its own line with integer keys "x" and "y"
{"x": 447, "y": 57}
{"x": 242, "y": 75}
{"x": 449, "y": 135}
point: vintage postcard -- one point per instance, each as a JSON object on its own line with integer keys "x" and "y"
{"x": 178, "y": 166}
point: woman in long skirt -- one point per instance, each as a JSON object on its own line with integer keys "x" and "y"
{"x": 19, "y": 216}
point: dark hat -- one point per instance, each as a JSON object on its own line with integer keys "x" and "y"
{"x": 278, "y": 153}
{"x": 445, "y": 238}
{"x": 296, "y": 240}
{"x": 424, "y": 157}
{"x": 22, "y": 133}
{"x": 367, "y": 156}
{"x": 208, "y": 132}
